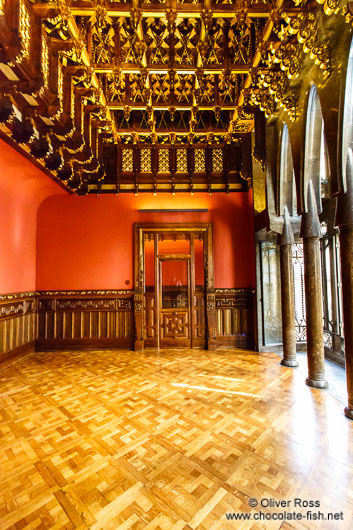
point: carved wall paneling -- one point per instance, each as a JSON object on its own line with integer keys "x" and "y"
{"x": 86, "y": 321}
{"x": 54, "y": 320}
{"x": 235, "y": 318}
{"x": 17, "y": 325}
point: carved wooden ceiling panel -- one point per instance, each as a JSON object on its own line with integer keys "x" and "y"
{"x": 103, "y": 93}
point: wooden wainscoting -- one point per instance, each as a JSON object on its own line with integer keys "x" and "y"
{"x": 85, "y": 319}
{"x": 57, "y": 320}
{"x": 235, "y": 318}
{"x": 17, "y": 325}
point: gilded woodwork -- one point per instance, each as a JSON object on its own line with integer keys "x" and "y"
{"x": 120, "y": 318}
{"x": 234, "y": 314}
{"x": 88, "y": 318}
{"x": 17, "y": 324}
{"x": 120, "y": 74}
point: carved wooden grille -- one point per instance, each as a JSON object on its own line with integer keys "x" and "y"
{"x": 200, "y": 160}
{"x": 182, "y": 160}
{"x": 163, "y": 160}
{"x": 217, "y": 160}
{"x": 128, "y": 160}
{"x": 146, "y": 164}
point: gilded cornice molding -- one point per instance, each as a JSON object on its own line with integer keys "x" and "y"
{"x": 101, "y": 292}
{"x": 37, "y": 294}
{"x": 242, "y": 290}
{"x": 16, "y": 296}
{"x": 98, "y": 292}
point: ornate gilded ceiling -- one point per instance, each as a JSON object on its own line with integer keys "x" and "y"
{"x": 151, "y": 96}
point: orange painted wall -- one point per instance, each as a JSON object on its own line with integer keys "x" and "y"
{"x": 87, "y": 242}
{"x": 22, "y": 188}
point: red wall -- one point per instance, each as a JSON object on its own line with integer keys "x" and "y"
{"x": 87, "y": 242}
{"x": 22, "y": 188}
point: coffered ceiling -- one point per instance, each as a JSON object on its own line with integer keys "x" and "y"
{"x": 155, "y": 96}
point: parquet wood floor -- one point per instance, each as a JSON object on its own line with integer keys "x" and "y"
{"x": 108, "y": 440}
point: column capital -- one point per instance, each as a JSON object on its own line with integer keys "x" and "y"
{"x": 310, "y": 220}
{"x": 287, "y": 237}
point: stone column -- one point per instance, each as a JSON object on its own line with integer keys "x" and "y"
{"x": 286, "y": 241}
{"x": 344, "y": 219}
{"x": 311, "y": 232}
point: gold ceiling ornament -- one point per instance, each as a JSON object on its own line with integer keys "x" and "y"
{"x": 265, "y": 101}
{"x": 290, "y": 105}
{"x": 102, "y": 35}
{"x": 348, "y": 13}
{"x": 161, "y": 74}
{"x": 135, "y": 16}
{"x": 287, "y": 55}
{"x": 171, "y": 16}
{"x": 207, "y": 17}
{"x": 276, "y": 85}
{"x": 2, "y": 7}
{"x": 331, "y": 7}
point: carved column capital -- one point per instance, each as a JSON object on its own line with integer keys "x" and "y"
{"x": 287, "y": 237}
{"x": 310, "y": 220}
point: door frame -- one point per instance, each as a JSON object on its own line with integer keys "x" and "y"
{"x": 155, "y": 230}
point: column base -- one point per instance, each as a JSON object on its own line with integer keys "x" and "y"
{"x": 316, "y": 384}
{"x": 349, "y": 413}
{"x": 290, "y": 364}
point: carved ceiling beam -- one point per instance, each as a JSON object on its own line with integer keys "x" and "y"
{"x": 66, "y": 13}
{"x": 49, "y": 9}
{"x": 179, "y": 70}
{"x": 163, "y": 106}
{"x": 192, "y": 10}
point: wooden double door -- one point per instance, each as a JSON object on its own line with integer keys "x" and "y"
{"x": 171, "y": 270}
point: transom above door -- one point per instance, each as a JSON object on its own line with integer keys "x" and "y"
{"x": 173, "y": 278}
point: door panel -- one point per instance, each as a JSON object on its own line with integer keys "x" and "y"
{"x": 174, "y": 311}
{"x": 175, "y": 328}
{"x": 199, "y": 324}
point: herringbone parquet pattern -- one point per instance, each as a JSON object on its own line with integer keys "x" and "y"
{"x": 108, "y": 440}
